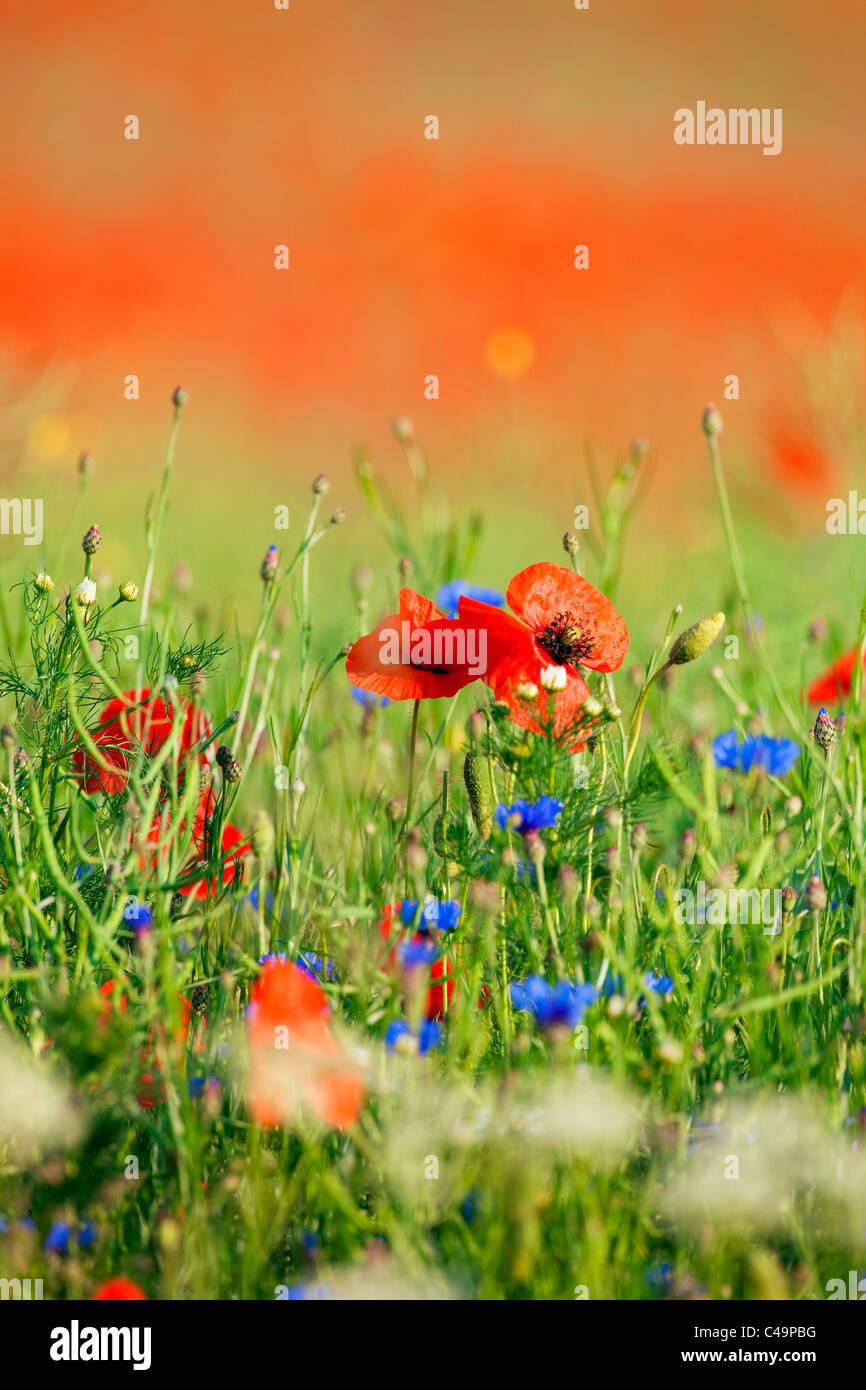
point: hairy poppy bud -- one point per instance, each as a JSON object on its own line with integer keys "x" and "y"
{"x": 129, "y": 591}
{"x": 696, "y": 639}
{"x": 321, "y": 485}
{"x": 405, "y": 566}
{"x": 570, "y": 544}
{"x": 479, "y": 800}
{"x": 711, "y": 420}
{"x": 91, "y": 541}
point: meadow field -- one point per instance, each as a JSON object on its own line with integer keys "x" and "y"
{"x": 522, "y": 959}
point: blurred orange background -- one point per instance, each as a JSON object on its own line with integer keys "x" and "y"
{"x": 412, "y": 257}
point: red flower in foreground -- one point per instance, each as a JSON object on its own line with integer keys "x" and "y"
{"x": 416, "y": 654}
{"x": 294, "y": 1057}
{"x": 561, "y": 621}
{"x": 835, "y": 684}
{"x": 119, "y": 1290}
{"x": 139, "y": 722}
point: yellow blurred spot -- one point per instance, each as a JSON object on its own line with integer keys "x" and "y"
{"x": 49, "y": 437}
{"x": 509, "y": 352}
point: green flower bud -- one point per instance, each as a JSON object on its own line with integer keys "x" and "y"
{"x": 696, "y": 639}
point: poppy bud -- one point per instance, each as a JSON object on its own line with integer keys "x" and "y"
{"x": 129, "y": 591}
{"x": 44, "y": 583}
{"x": 321, "y": 485}
{"x": 817, "y": 629}
{"x": 179, "y": 398}
{"x": 269, "y": 564}
{"x": 405, "y": 566}
{"x": 711, "y": 420}
{"x": 824, "y": 731}
{"x": 86, "y": 464}
{"x": 91, "y": 541}
{"x": 570, "y": 544}
{"x": 696, "y": 639}
{"x": 338, "y": 517}
{"x": 479, "y": 800}
{"x": 815, "y": 894}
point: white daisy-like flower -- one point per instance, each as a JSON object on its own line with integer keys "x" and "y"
{"x": 553, "y": 678}
{"x": 85, "y": 593}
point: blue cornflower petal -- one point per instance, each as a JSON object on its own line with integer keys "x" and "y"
{"x": 57, "y": 1239}
{"x": 448, "y": 596}
{"x": 529, "y": 815}
{"x": 368, "y": 699}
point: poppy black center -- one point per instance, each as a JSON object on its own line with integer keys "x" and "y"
{"x": 563, "y": 641}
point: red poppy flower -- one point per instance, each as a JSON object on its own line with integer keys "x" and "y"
{"x": 294, "y": 1057}
{"x": 416, "y": 654}
{"x": 561, "y": 621}
{"x": 139, "y": 721}
{"x": 119, "y": 1290}
{"x": 233, "y": 846}
{"x": 835, "y": 684}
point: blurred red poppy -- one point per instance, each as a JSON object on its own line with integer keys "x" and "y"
{"x": 835, "y": 684}
{"x": 294, "y": 1057}
{"x": 138, "y": 723}
{"x": 120, "y": 1291}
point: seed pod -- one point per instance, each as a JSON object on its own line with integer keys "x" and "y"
{"x": 479, "y": 799}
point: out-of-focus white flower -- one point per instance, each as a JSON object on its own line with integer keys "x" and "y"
{"x": 38, "y": 1114}
{"x": 85, "y": 593}
{"x": 553, "y": 678}
{"x": 527, "y": 691}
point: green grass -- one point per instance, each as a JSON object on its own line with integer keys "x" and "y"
{"x": 704, "y": 1138}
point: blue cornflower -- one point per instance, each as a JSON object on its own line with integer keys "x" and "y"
{"x": 138, "y": 915}
{"x": 529, "y": 815}
{"x": 414, "y": 953}
{"x": 659, "y": 984}
{"x": 448, "y": 596}
{"x": 429, "y": 1034}
{"x": 444, "y": 915}
{"x": 776, "y": 755}
{"x": 86, "y": 1236}
{"x": 368, "y": 699}
{"x": 57, "y": 1239}
{"x": 562, "y": 1003}
{"x": 317, "y": 967}
{"x": 659, "y": 1277}
{"x": 272, "y": 955}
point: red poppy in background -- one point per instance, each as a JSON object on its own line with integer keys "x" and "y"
{"x": 835, "y": 684}
{"x": 294, "y": 1057}
{"x": 561, "y": 621}
{"x": 233, "y": 846}
{"x": 120, "y": 1291}
{"x": 439, "y": 995}
{"x": 416, "y": 654}
{"x": 139, "y": 721}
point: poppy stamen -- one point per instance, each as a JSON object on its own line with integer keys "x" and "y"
{"x": 563, "y": 641}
